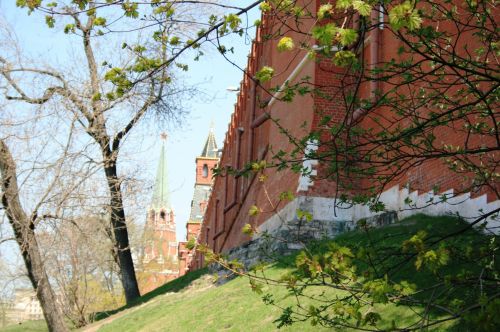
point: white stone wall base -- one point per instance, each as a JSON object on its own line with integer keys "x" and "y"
{"x": 403, "y": 202}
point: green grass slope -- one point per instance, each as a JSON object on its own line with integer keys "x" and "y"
{"x": 235, "y": 307}
{"x": 28, "y": 326}
{"x": 230, "y": 307}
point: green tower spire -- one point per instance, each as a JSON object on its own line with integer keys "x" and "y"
{"x": 161, "y": 195}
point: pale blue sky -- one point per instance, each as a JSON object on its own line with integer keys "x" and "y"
{"x": 212, "y": 74}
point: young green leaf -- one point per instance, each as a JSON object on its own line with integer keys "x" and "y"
{"x": 405, "y": 15}
{"x": 286, "y": 44}
{"x": 253, "y": 211}
{"x": 49, "y": 20}
{"x": 347, "y": 36}
{"x": 362, "y": 7}
{"x": 247, "y": 229}
{"x": 264, "y": 74}
{"x": 325, "y": 11}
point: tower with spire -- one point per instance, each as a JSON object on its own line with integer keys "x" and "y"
{"x": 159, "y": 261}
{"x": 205, "y": 162}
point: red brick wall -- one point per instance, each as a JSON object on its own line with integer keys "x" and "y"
{"x": 183, "y": 258}
{"x": 251, "y": 137}
{"x": 200, "y": 163}
{"x": 433, "y": 173}
{"x": 423, "y": 176}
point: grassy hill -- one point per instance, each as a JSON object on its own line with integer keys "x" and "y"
{"x": 28, "y": 326}
{"x": 193, "y": 303}
{"x": 235, "y": 307}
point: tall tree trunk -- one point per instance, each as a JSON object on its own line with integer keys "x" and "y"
{"x": 24, "y": 232}
{"x": 97, "y": 129}
{"x": 129, "y": 280}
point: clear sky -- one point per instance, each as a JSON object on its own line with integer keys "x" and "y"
{"x": 212, "y": 75}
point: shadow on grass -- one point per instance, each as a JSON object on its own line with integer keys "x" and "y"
{"x": 389, "y": 259}
{"x": 386, "y": 247}
{"x": 175, "y": 285}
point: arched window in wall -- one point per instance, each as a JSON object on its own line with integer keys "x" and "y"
{"x": 205, "y": 171}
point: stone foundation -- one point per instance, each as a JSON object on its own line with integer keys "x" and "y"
{"x": 291, "y": 236}
{"x": 284, "y": 233}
